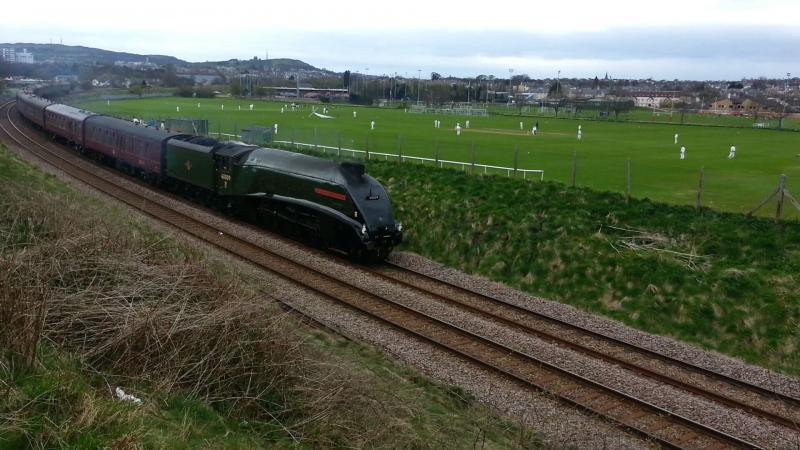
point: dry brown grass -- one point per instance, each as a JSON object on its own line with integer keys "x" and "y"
{"x": 152, "y": 312}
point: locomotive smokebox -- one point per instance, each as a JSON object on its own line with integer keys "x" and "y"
{"x": 353, "y": 168}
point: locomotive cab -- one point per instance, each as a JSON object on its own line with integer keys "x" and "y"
{"x": 228, "y": 158}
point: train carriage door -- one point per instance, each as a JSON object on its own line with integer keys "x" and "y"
{"x": 223, "y": 169}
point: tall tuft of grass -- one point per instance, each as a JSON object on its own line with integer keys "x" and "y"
{"x": 700, "y": 276}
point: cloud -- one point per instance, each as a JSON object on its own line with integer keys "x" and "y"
{"x": 685, "y": 52}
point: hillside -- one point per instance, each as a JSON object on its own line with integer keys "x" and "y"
{"x": 76, "y": 54}
{"x": 87, "y": 55}
{"x": 276, "y": 65}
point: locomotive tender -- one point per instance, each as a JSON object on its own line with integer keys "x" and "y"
{"x": 336, "y": 204}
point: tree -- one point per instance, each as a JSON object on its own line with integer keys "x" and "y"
{"x": 182, "y": 91}
{"x": 618, "y": 105}
{"x": 236, "y": 89}
{"x": 346, "y": 79}
{"x": 556, "y": 103}
{"x": 204, "y": 92}
{"x": 435, "y": 76}
{"x": 555, "y": 90}
{"x": 136, "y": 89}
{"x": 170, "y": 78}
{"x": 759, "y": 84}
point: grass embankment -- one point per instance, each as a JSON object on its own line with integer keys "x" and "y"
{"x": 735, "y": 185}
{"x": 92, "y": 299}
{"x": 724, "y": 281}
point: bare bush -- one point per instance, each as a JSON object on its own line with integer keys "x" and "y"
{"x": 145, "y": 310}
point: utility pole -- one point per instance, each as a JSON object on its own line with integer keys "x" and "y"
{"x": 558, "y": 82}
{"x": 510, "y": 73}
{"x": 366, "y": 81}
{"x": 419, "y": 76}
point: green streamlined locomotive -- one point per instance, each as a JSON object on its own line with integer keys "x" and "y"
{"x": 335, "y": 204}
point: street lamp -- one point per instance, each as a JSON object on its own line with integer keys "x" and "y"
{"x": 366, "y": 81}
{"x": 510, "y": 72}
{"x": 419, "y": 76}
{"x": 558, "y": 82}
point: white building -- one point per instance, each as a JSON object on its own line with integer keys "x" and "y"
{"x": 7, "y": 54}
{"x": 654, "y": 99}
{"x": 24, "y": 57}
{"x": 10, "y": 55}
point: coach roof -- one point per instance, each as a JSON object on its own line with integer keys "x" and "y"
{"x": 34, "y": 99}
{"x": 70, "y": 111}
{"x": 151, "y": 134}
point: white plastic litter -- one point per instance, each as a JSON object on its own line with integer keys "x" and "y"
{"x": 122, "y": 396}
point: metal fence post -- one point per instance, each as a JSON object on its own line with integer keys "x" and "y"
{"x": 339, "y": 146}
{"x": 436, "y": 153}
{"x": 473, "y": 156}
{"x": 628, "y": 188}
{"x": 574, "y": 166}
{"x": 293, "y": 142}
{"x": 781, "y": 196}
{"x": 400, "y": 148}
{"x": 516, "y": 159}
{"x": 366, "y": 147}
{"x": 700, "y": 189}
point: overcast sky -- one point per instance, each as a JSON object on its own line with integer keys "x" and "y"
{"x": 684, "y": 39}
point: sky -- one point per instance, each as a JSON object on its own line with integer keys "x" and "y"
{"x": 677, "y": 39}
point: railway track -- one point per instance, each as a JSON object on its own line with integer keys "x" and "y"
{"x": 666, "y": 428}
{"x": 756, "y": 400}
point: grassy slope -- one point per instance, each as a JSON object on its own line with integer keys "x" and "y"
{"x": 738, "y": 185}
{"x": 740, "y": 297}
{"x": 63, "y": 402}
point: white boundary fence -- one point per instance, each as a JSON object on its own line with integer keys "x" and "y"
{"x": 455, "y": 111}
{"x": 398, "y": 156}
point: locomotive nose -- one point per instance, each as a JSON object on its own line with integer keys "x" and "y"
{"x": 390, "y": 234}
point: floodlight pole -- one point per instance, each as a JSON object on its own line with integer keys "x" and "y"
{"x": 510, "y": 72}
{"x": 558, "y": 82}
{"x": 419, "y": 76}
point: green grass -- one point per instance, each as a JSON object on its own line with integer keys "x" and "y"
{"x": 660, "y": 117}
{"x": 739, "y": 294}
{"x": 730, "y": 185}
{"x": 60, "y": 405}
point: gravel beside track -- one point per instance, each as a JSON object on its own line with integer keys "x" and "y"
{"x": 561, "y": 426}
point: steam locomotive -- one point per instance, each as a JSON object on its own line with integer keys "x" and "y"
{"x": 336, "y": 205}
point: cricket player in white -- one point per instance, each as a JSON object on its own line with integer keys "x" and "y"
{"x": 732, "y": 153}
{"x": 683, "y": 153}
